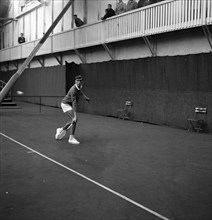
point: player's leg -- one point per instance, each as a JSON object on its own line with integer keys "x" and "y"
{"x": 70, "y": 123}
{"x": 61, "y": 132}
{"x": 72, "y": 139}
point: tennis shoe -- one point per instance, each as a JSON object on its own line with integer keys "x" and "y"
{"x": 72, "y": 140}
{"x": 60, "y": 133}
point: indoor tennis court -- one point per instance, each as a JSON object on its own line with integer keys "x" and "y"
{"x": 138, "y": 144}
{"x": 152, "y": 172}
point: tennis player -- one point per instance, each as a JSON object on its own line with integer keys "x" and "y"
{"x": 69, "y": 107}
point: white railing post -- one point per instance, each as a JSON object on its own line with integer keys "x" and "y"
{"x": 170, "y": 17}
{"x": 102, "y": 33}
{"x": 208, "y": 11}
{"x": 74, "y": 39}
{"x": 186, "y": 13}
{"x": 189, "y": 12}
{"x": 51, "y": 44}
{"x": 21, "y": 53}
{"x": 203, "y": 12}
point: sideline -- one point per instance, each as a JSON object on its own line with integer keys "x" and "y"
{"x": 90, "y": 180}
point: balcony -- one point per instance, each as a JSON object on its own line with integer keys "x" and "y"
{"x": 155, "y": 19}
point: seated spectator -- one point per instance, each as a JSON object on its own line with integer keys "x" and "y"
{"x": 121, "y": 7}
{"x": 131, "y": 5}
{"x": 109, "y": 12}
{"x": 142, "y": 3}
{"x": 21, "y": 39}
{"x": 78, "y": 21}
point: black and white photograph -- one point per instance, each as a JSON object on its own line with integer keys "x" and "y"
{"x": 105, "y": 109}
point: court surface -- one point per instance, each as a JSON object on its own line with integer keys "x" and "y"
{"x": 121, "y": 170}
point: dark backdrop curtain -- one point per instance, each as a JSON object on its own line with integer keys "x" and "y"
{"x": 164, "y": 90}
{"x": 43, "y": 81}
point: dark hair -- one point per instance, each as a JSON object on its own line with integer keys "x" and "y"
{"x": 79, "y": 77}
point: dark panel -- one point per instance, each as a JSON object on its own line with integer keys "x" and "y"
{"x": 164, "y": 90}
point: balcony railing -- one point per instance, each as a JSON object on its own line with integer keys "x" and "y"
{"x": 155, "y": 19}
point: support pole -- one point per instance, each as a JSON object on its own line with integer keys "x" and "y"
{"x": 40, "y": 104}
{"x": 150, "y": 46}
{"x": 59, "y": 58}
{"x": 16, "y": 76}
{"x": 41, "y": 61}
{"x": 208, "y": 35}
{"x": 82, "y": 58}
{"x": 108, "y": 51}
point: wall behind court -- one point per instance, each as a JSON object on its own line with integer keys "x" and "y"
{"x": 164, "y": 90}
{"x": 43, "y": 81}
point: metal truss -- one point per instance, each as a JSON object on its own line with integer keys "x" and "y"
{"x": 150, "y": 45}
{"x": 208, "y": 35}
{"x": 109, "y": 51}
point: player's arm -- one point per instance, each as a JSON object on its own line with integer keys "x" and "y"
{"x": 86, "y": 97}
{"x": 74, "y": 107}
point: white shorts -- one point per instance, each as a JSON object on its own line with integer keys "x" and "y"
{"x": 66, "y": 107}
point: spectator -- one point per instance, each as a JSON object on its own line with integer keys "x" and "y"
{"x": 21, "y": 39}
{"x": 78, "y": 21}
{"x": 109, "y": 12}
{"x": 121, "y": 7}
{"x": 142, "y": 3}
{"x": 131, "y": 5}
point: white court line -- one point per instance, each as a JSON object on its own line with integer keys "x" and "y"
{"x": 90, "y": 180}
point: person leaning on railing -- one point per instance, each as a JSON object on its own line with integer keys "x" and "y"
{"x": 21, "y": 39}
{"x": 131, "y": 5}
{"x": 78, "y": 21}
{"x": 109, "y": 12}
{"x": 142, "y": 3}
{"x": 121, "y": 7}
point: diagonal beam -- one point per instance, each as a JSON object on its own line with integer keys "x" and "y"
{"x": 82, "y": 58}
{"x": 15, "y": 63}
{"x": 8, "y": 19}
{"x": 16, "y": 76}
{"x": 150, "y": 46}
{"x": 207, "y": 35}
{"x": 59, "y": 58}
{"x": 41, "y": 60}
{"x": 6, "y": 65}
{"x": 108, "y": 51}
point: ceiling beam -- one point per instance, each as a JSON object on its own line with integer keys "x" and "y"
{"x": 59, "y": 58}
{"x": 41, "y": 60}
{"x": 82, "y": 58}
{"x": 150, "y": 45}
{"x": 15, "y": 63}
{"x": 109, "y": 51}
{"x": 208, "y": 35}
